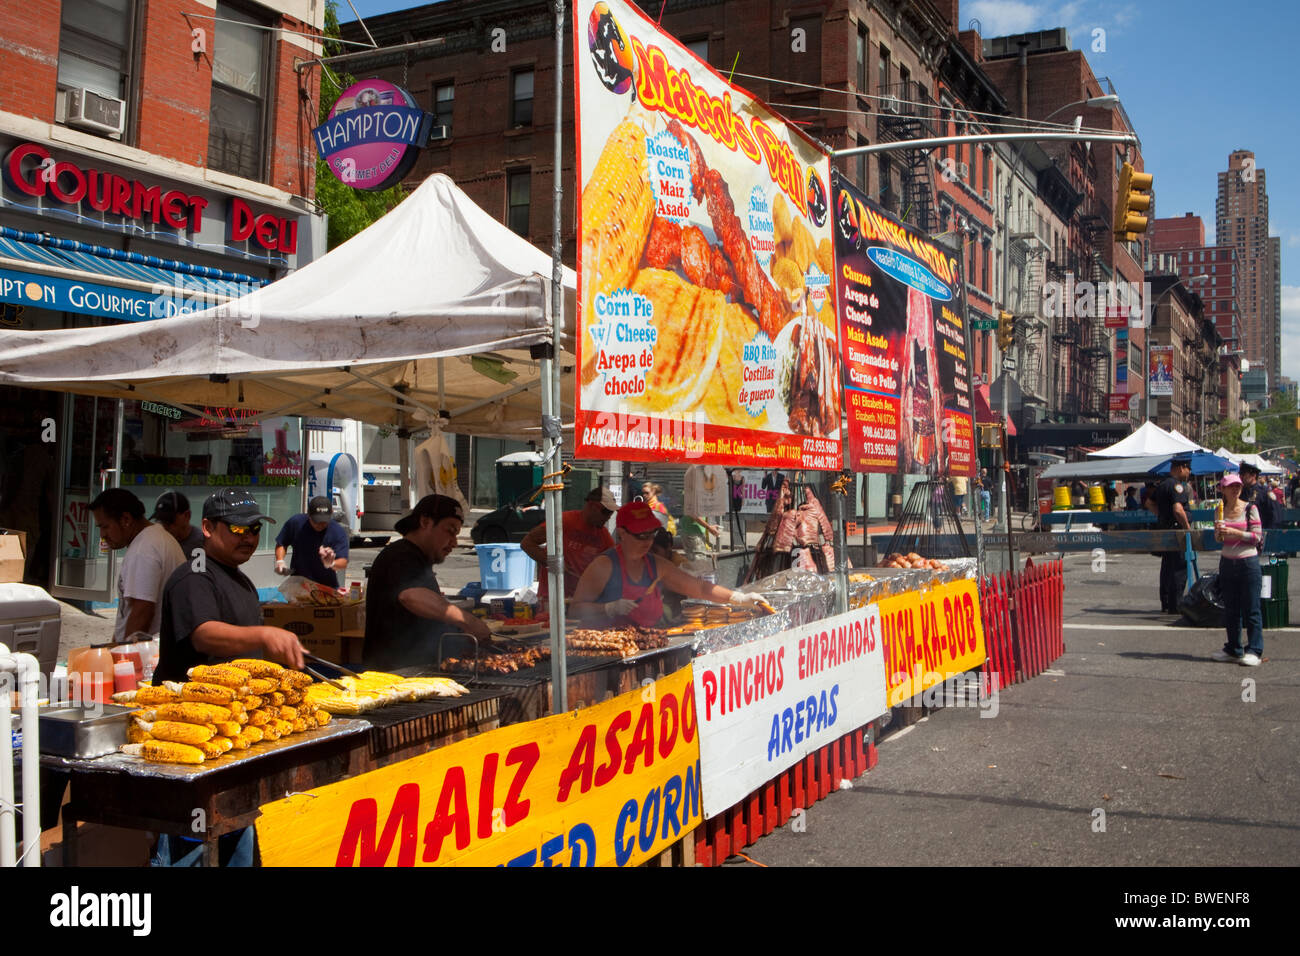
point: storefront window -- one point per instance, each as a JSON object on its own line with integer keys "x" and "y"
{"x": 164, "y": 449}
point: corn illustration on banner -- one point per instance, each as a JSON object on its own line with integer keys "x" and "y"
{"x": 609, "y": 785}
{"x": 706, "y": 321}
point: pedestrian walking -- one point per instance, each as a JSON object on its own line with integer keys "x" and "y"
{"x": 959, "y": 487}
{"x": 1240, "y": 579}
{"x": 1131, "y": 500}
{"x": 1169, "y": 501}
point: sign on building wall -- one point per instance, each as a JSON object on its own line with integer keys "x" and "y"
{"x": 1160, "y": 371}
{"x": 373, "y": 135}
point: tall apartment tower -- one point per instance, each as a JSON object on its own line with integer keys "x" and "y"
{"x": 1241, "y": 221}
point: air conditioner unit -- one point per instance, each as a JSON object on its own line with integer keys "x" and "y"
{"x": 87, "y": 109}
{"x": 891, "y": 104}
{"x": 963, "y": 170}
{"x": 987, "y": 197}
{"x": 437, "y": 132}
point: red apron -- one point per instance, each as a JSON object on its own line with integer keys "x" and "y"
{"x": 651, "y": 609}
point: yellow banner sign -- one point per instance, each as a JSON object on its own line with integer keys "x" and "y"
{"x": 929, "y": 637}
{"x": 613, "y": 784}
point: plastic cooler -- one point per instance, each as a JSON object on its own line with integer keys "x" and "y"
{"x": 29, "y": 623}
{"x": 504, "y": 567}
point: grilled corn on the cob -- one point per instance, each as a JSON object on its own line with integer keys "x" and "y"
{"x": 191, "y": 713}
{"x": 147, "y": 696}
{"x": 257, "y": 668}
{"x": 263, "y": 685}
{"x": 211, "y": 748}
{"x": 223, "y": 674}
{"x": 258, "y": 718}
{"x": 295, "y": 679}
{"x": 176, "y": 732}
{"x": 253, "y": 734}
{"x": 228, "y": 728}
{"x": 163, "y": 751}
{"x": 203, "y": 693}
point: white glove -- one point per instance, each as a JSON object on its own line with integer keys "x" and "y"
{"x": 281, "y": 567}
{"x": 620, "y": 608}
{"x": 745, "y": 599}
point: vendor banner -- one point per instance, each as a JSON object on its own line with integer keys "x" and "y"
{"x": 1160, "y": 370}
{"x": 706, "y": 321}
{"x": 929, "y": 637}
{"x": 766, "y": 705}
{"x": 907, "y": 381}
{"x": 613, "y": 784}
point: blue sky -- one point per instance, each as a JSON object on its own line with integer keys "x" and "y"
{"x": 1197, "y": 78}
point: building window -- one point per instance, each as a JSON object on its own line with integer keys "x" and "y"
{"x": 699, "y": 47}
{"x": 861, "y": 51}
{"x": 904, "y": 75}
{"x": 860, "y": 163}
{"x": 521, "y": 103}
{"x": 882, "y": 79}
{"x": 518, "y": 191}
{"x": 444, "y": 99}
{"x": 236, "y": 128}
{"x": 95, "y": 47}
{"x": 886, "y": 183}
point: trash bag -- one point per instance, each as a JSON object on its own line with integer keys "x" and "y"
{"x": 1202, "y": 605}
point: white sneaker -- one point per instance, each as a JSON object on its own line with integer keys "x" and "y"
{"x": 1249, "y": 660}
{"x": 1224, "y": 657}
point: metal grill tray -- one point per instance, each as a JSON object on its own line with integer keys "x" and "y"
{"x": 138, "y": 767}
{"x": 394, "y": 714}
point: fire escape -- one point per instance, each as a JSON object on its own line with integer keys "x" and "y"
{"x": 1094, "y": 343}
{"x": 906, "y": 113}
{"x": 1029, "y": 264}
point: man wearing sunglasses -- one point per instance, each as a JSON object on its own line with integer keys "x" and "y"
{"x": 583, "y": 538}
{"x": 210, "y": 611}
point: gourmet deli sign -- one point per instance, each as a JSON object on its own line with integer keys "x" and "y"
{"x": 373, "y": 135}
{"x": 41, "y": 182}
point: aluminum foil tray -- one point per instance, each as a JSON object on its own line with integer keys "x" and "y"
{"x": 137, "y": 767}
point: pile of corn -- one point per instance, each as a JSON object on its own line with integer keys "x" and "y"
{"x": 373, "y": 689}
{"x": 225, "y": 708}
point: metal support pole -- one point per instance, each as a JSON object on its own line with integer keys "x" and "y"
{"x": 552, "y": 435}
{"x": 1070, "y": 137}
{"x": 841, "y": 553}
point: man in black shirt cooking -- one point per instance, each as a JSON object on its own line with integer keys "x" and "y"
{"x": 1169, "y": 501}
{"x": 406, "y": 614}
{"x": 210, "y": 611}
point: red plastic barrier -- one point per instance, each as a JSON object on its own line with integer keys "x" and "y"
{"x": 773, "y": 804}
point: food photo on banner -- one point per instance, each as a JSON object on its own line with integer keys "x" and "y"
{"x": 907, "y": 381}
{"x": 707, "y": 327}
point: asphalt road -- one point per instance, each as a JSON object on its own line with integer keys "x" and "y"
{"x": 1192, "y": 762}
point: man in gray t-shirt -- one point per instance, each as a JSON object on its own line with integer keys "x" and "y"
{"x": 151, "y": 556}
{"x": 172, "y": 511}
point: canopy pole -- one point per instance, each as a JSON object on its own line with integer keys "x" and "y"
{"x": 551, "y": 433}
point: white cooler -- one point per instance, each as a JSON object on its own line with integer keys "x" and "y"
{"x": 29, "y": 623}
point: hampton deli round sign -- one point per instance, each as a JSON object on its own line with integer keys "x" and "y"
{"x": 373, "y": 135}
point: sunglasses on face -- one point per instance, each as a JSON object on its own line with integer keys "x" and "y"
{"x": 644, "y": 535}
{"x": 243, "y": 529}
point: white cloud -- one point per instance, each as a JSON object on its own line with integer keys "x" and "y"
{"x": 1290, "y": 362}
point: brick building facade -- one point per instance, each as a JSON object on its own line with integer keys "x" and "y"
{"x": 157, "y": 159}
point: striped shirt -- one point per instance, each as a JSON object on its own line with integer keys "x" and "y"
{"x": 1247, "y": 547}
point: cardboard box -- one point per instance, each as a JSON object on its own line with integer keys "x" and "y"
{"x": 321, "y": 628}
{"x": 13, "y": 556}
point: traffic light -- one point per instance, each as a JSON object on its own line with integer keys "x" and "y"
{"x": 1006, "y": 330}
{"x": 1134, "y": 198}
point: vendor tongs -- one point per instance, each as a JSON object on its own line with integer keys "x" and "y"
{"x": 321, "y": 677}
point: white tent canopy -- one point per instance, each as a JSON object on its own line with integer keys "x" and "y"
{"x": 1265, "y": 467}
{"x": 1150, "y": 439}
{"x": 381, "y": 329}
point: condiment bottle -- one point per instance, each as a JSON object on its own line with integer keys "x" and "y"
{"x": 90, "y": 675}
{"x": 124, "y": 677}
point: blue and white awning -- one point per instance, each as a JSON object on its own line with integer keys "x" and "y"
{"x": 66, "y": 275}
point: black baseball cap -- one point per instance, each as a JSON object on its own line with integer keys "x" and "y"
{"x": 435, "y": 507}
{"x": 168, "y": 506}
{"x": 1247, "y": 466}
{"x": 1181, "y": 460}
{"x": 234, "y": 506}
{"x": 319, "y": 507}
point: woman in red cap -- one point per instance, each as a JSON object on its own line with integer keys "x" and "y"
{"x": 623, "y": 584}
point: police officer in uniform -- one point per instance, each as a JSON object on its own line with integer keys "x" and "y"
{"x": 1169, "y": 501}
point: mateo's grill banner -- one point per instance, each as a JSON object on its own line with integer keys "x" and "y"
{"x": 907, "y": 382}
{"x": 706, "y": 323}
